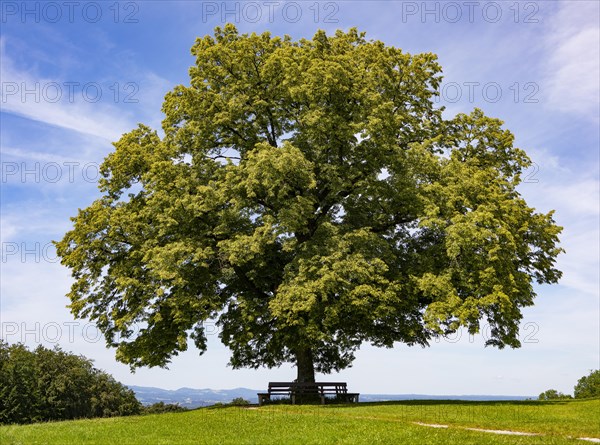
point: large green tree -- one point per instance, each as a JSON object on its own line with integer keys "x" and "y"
{"x": 310, "y": 197}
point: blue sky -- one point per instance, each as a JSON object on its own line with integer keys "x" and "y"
{"x": 75, "y": 76}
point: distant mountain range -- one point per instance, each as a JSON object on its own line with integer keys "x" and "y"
{"x": 194, "y": 398}
{"x": 190, "y": 397}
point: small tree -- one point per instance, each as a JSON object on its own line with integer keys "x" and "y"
{"x": 311, "y": 197}
{"x": 588, "y": 386}
{"x": 553, "y": 394}
{"x": 162, "y": 407}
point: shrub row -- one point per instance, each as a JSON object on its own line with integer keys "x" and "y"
{"x": 51, "y": 384}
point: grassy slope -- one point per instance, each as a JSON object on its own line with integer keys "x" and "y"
{"x": 383, "y": 423}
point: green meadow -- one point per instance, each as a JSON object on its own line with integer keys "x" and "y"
{"x": 560, "y": 422}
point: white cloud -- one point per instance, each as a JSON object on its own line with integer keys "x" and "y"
{"x": 33, "y": 223}
{"x": 32, "y": 155}
{"x": 8, "y": 229}
{"x": 575, "y": 198}
{"x": 573, "y": 62}
{"x": 584, "y": 190}
{"x": 94, "y": 119}
{"x": 580, "y": 262}
{"x": 62, "y": 103}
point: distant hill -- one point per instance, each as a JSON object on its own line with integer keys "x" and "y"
{"x": 194, "y": 398}
{"x": 190, "y": 397}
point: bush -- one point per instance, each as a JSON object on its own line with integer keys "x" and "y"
{"x": 553, "y": 394}
{"x": 588, "y": 386}
{"x": 162, "y": 407}
{"x": 239, "y": 401}
{"x": 51, "y": 384}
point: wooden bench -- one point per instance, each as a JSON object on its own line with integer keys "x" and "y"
{"x": 295, "y": 390}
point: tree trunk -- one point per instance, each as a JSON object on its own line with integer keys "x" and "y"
{"x": 305, "y": 365}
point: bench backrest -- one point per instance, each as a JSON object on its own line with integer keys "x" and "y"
{"x": 308, "y": 383}
{"x": 323, "y": 387}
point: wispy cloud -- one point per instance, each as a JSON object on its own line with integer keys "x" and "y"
{"x": 575, "y": 197}
{"x": 87, "y": 118}
{"x": 98, "y": 110}
{"x": 21, "y": 154}
{"x": 573, "y": 61}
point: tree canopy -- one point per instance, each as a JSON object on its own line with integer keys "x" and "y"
{"x": 310, "y": 196}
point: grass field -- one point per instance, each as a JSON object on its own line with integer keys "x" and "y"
{"x": 370, "y": 423}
